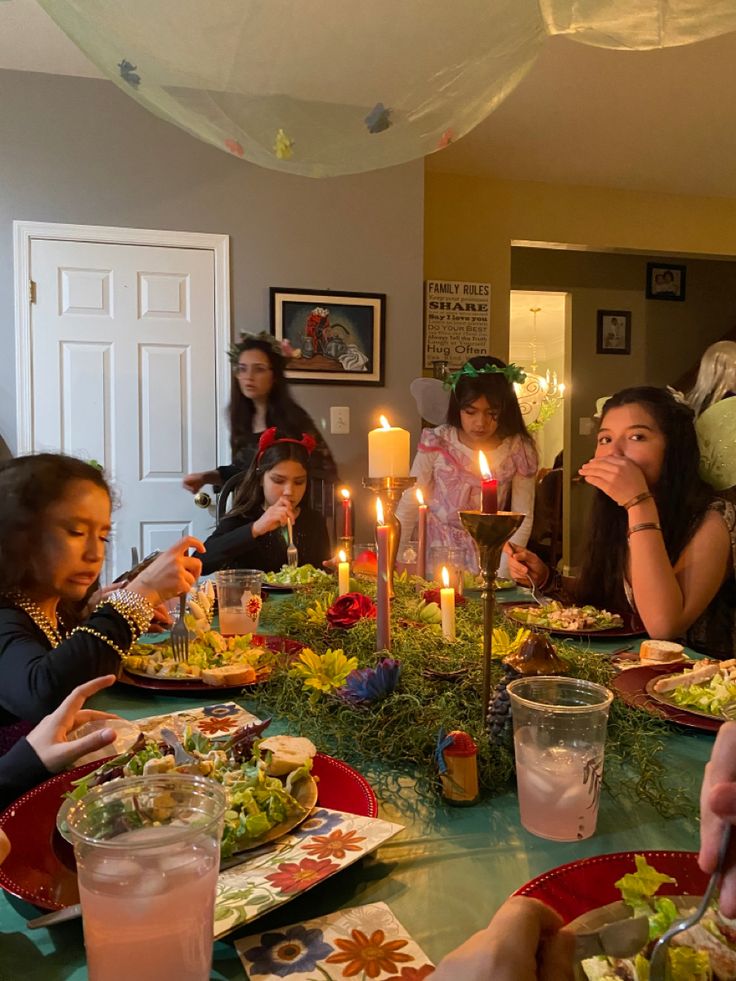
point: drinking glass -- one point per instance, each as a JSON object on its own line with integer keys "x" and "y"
{"x": 148, "y": 856}
{"x": 559, "y": 738}
{"x": 453, "y": 559}
{"x": 239, "y": 600}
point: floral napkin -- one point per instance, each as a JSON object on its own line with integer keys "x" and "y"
{"x": 325, "y": 843}
{"x": 213, "y": 721}
{"x": 363, "y": 942}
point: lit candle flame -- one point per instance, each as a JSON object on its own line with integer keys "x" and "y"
{"x": 345, "y": 493}
{"x": 379, "y": 511}
{"x": 445, "y": 577}
{"x": 484, "y": 468}
{"x": 420, "y": 496}
{"x": 342, "y": 556}
{"x": 385, "y": 423}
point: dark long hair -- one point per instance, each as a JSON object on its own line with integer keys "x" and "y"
{"x": 29, "y": 485}
{"x": 249, "y": 495}
{"x": 681, "y": 496}
{"x": 281, "y": 410}
{"x": 499, "y": 393}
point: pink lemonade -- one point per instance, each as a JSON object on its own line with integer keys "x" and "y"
{"x": 148, "y": 914}
{"x": 557, "y": 788}
{"x": 234, "y": 622}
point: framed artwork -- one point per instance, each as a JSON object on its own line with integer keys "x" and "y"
{"x": 340, "y": 336}
{"x": 613, "y": 332}
{"x": 665, "y": 281}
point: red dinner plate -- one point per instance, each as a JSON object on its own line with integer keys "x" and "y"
{"x": 582, "y": 886}
{"x": 179, "y": 686}
{"x": 41, "y": 870}
{"x": 631, "y": 687}
{"x": 632, "y": 626}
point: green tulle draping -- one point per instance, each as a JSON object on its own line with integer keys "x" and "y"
{"x": 329, "y": 87}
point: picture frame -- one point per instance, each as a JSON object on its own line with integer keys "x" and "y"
{"x": 341, "y": 335}
{"x": 665, "y": 281}
{"x": 613, "y": 335}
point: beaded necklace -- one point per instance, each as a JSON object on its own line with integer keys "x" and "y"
{"x": 43, "y": 622}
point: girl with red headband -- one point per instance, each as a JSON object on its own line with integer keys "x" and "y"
{"x": 254, "y": 534}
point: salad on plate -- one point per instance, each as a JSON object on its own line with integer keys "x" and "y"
{"x": 213, "y": 659}
{"x": 571, "y": 619}
{"x": 704, "y": 952}
{"x": 293, "y": 578}
{"x": 268, "y": 781}
{"x": 709, "y": 689}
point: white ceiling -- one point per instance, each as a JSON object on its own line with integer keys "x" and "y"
{"x": 643, "y": 120}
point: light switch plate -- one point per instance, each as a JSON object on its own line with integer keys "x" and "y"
{"x": 339, "y": 419}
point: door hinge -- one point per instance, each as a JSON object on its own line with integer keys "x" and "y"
{"x": 32, "y": 291}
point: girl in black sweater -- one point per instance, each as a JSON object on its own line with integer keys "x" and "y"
{"x": 254, "y": 534}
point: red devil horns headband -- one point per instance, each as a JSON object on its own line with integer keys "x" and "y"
{"x": 268, "y": 439}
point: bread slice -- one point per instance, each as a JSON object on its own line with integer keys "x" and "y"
{"x": 660, "y": 650}
{"x": 695, "y": 677}
{"x": 229, "y": 674}
{"x": 287, "y": 753}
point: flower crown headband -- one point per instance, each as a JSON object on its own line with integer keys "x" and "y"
{"x": 281, "y": 348}
{"x": 268, "y": 439}
{"x": 512, "y": 373}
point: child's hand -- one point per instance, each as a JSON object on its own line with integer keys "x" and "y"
{"x": 274, "y": 517}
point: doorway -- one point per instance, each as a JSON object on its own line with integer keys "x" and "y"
{"x": 121, "y": 338}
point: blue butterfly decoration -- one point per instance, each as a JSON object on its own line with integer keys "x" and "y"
{"x": 129, "y": 73}
{"x": 378, "y": 119}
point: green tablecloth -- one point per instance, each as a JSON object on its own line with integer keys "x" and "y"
{"x": 442, "y": 885}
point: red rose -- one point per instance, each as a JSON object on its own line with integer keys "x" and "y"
{"x": 349, "y": 608}
{"x": 433, "y": 596}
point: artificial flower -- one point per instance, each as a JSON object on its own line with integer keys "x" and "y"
{"x": 504, "y": 645}
{"x": 373, "y": 954}
{"x": 298, "y": 876}
{"x": 334, "y": 845}
{"x": 365, "y": 685}
{"x": 283, "y": 147}
{"x": 349, "y": 608}
{"x": 323, "y": 672}
{"x": 429, "y": 613}
{"x": 317, "y": 614}
{"x": 234, "y": 147}
{"x": 433, "y": 596}
{"x": 295, "y": 950}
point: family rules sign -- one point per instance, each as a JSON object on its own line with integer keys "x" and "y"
{"x": 457, "y": 319}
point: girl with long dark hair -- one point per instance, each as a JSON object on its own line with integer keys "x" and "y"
{"x": 483, "y": 414}
{"x": 259, "y": 399}
{"x": 659, "y": 540}
{"x": 55, "y": 515}
{"x": 253, "y": 535}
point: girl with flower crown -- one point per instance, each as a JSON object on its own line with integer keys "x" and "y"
{"x": 483, "y": 414}
{"x": 254, "y": 534}
{"x": 260, "y": 398}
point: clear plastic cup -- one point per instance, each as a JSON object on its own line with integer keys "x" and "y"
{"x": 148, "y": 856}
{"x": 559, "y": 738}
{"x": 239, "y": 600}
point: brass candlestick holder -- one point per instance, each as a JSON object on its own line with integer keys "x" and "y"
{"x": 490, "y": 532}
{"x": 390, "y": 490}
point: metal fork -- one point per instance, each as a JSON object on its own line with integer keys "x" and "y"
{"x": 180, "y": 633}
{"x": 292, "y": 555}
{"x": 533, "y": 590}
{"x": 658, "y": 960}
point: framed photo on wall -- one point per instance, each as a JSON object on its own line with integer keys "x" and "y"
{"x": 340, "y": 336}
{"x": 665, "y": 281}
{"x": 613, "y": 332}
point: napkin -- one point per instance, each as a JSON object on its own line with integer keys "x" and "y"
{"x": 365, "y": 941}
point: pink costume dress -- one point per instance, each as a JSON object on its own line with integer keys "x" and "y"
{"x": 448, "y": 473}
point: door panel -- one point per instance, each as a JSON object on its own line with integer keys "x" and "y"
{"x": 123, "y": 366}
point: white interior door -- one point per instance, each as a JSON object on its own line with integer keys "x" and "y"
{"x": 123, "y": 347}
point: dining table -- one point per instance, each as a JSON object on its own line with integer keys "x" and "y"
{"x": 443, "y": 876}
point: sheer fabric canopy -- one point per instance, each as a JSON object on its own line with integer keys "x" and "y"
{"x": 327, "y": 87}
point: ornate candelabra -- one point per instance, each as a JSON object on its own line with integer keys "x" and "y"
{"x": 390, "y": 490}
{"x": 489, "y": 532}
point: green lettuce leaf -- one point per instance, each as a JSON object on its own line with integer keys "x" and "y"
{"x": 637, "y": 888}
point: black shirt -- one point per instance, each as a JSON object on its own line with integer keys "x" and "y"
{"x": 232, "y": 545}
